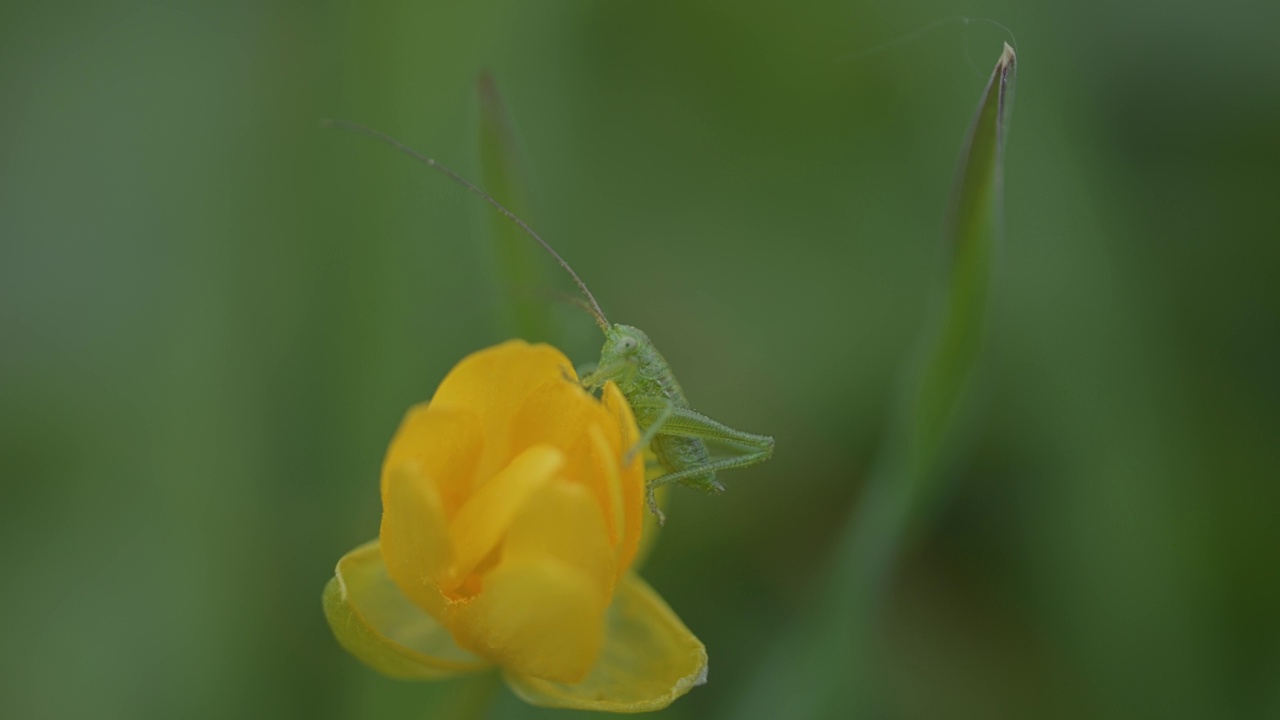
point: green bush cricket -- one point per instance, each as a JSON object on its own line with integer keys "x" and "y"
{"x": 677, "y": 434}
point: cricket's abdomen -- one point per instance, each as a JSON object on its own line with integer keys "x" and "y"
{"x": 676, "y": 453}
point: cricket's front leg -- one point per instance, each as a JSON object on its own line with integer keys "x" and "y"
{"x": 597, "y": 376}
{"x": 666, "y": 409}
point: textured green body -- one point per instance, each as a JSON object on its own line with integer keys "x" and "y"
{"x": 676, "y": 433}
{"x": 645, "y": 378}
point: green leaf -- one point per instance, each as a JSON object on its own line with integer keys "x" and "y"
{"x": 826, "y": 666}
{"x": 525, "y": 313}
{"x": 375, "y": 622}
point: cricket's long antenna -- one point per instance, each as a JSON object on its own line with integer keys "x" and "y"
{"x": 594, "y": 308}
{"x": 575, "y": 301}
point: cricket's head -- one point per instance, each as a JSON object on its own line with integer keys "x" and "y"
{"x": 625, "y": 349}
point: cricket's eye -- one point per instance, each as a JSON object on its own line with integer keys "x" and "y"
{"x": 627, "y": 344}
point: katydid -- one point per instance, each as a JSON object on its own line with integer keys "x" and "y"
{"x": 676, "y": 434}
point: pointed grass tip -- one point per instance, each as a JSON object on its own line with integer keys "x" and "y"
{"x": 1008, "y": 58}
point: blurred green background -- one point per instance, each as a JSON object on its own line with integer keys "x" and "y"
{"x": 213, "y": 314}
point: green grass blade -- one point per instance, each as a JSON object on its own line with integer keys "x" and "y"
{"x": 826, "y": 667}
{"x": 524, "y": 311}
{"x": 973, "y": 230}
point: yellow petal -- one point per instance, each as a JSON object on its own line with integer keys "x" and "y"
{"x": 562, "y": 414}
{"x": 649, "y": 659}
{"x": 556, "y": 412}
{"x": 415, "y": 543}
{"x": 446, "y": 445}
{"x": 538, "y": 616}
{"x": 481, "y": 522}
{"x": 651, "y": 529}
{"x": 563, "y": 521}
{"x": 380, "y": 626}
{"x": 560, "y": 530}
{"x": 604, "y": 458}
{"x": 493, "y": 384}
{"x": 631, "y": 478}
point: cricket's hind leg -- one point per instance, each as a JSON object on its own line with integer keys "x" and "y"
{"x": 652, "y": 501}
{"x": 679, "y": 441}
{"x": 703, "y": 477}
{"x": 706, "y": 483}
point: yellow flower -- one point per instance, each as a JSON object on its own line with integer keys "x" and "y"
{"x": 509, "y": 527}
